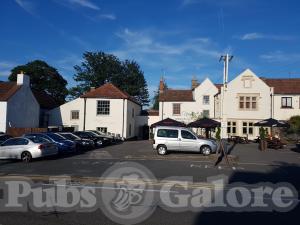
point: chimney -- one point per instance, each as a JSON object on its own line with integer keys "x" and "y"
{"x": 162, "y": 86}
{"x": 194, "y": 82}
{"x": 23, "y": 79}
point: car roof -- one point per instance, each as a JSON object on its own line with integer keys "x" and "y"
{"x": 171, "y": 127}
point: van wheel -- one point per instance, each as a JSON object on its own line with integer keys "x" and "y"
{"x": 26, "y": 157}
{"x": 162, "y": 150}
{"x": 205, "y": 150}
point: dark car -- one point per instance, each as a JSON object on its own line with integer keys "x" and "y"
{"x": 4, "y": 137}
{"x": 81, "y": 143}
{"x": 98, "y": 141}
{"x": 107, "y": 139}
{"x": 64, "y": 145}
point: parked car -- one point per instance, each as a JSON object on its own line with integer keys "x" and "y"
{"x": 298, "y": 145}
{"x": 107, "y": 139}
{"x": 64, "y": 145}
{"x": 4, "y": 137}
{"x": 27, "y": 148}
{"x": 81, "y": 143}
{"x": 98, "y": 141}
{"x": 181, "y": 139}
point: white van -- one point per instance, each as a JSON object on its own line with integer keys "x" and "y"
{"x": 181, "y": 139}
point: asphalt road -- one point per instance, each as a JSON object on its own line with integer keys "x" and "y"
{"x": 252, "y": 167}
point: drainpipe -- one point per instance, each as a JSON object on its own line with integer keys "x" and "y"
{"x": 162, "y": 110}
{"x": 271, "y": 95}
{"x": 84, "y": 113}
{"x": 123, "y": 118}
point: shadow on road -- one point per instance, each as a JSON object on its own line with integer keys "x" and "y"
{"x": 285, "y": 173}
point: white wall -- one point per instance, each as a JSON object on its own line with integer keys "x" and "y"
{"x": 196, "y": 106}
{"x": 3, "y": 111}
{"x": 286, "y": 113}
{"x": 23, "y": 110}
{"x": 113, "y": 121}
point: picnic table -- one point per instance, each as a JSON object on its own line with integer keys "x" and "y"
{"x": 238, "y": 139}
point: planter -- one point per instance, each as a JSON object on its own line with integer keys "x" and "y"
{"x": 262, "y": 145}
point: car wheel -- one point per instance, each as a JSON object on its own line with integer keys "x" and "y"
{"x": 162, "y": 150}
{"x": 26, "y": 157}
{"x": 205, "y": 150}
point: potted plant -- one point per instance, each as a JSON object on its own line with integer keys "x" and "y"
{"x": 262, "y": 139}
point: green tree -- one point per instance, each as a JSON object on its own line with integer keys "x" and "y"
{"x": 43, "y": 78}
{"x": 99, "y": 68}
{"x": 294, "y": 123}
{"x": 155, "y": 99}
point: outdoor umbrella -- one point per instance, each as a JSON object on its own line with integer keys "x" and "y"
{"x": 205, "y": 123}
{"x": 168, "y": 122}
{"x": 271, "y": 123}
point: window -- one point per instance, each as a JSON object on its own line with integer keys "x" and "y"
{"x": 16, "y": 141}
{"x": 176, "y": 109}
{"x": 167, "y": 133}
{"x": 206, "y": 100}
{"x": 103, "y": 107}
{"x": 102, "y": 129}
{"x": 286, "y": 102}
{"x": 205, "y": 113}
{"x": 187, "y": 135}
{"x": 248, "y": 102}
{"x": 231, "y": 127}
{"x": 75, "y": 115}
{"x": 248, "y": 128}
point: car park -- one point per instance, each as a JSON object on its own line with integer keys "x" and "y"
{"x": 4, "y": 137}
{"x": 81, "y": 143}
{"x": 98, "y": 141}
{"x": 181, "y": 139}
{"x": 27, "y": 148}
{"x": 64, "y": 145}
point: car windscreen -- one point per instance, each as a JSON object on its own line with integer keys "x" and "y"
{"x": 56, "y": 137}
{"x": 37, "y": 139}
{"x": 70, "y": 136}
{"x": 91, "y": 134}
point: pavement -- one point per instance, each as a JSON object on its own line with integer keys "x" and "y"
{"x": 251, "y": 167}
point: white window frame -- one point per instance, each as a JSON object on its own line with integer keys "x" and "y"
{"x": 103, "y": 112}
{"x": 176, "y": 104}
{"x": 71, "y": 114}
{"x": 206, "y": 101}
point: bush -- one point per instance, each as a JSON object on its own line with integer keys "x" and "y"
{"x": 294, "y": 123}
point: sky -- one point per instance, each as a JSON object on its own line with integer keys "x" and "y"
{"x": 178, "y": 39}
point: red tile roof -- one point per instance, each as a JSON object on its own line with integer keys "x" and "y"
{"x": 170, "y": 95}
{"x": 150, "y": 112}
{"x": 284, "y": 86}
{"x": 109, "y": 90}
{"x": 8, "y": 89}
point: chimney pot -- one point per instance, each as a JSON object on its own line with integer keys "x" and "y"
{"x": 23, "y": 79}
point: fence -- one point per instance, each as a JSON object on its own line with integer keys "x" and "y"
{"x": 17, "y": 132}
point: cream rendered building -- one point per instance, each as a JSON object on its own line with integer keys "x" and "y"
{"x": 107, "y": 109}
{"x": 247, "y": 99}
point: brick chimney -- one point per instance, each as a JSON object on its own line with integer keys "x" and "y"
{"x": 162, "y": 86}
{"x": 194, "y": 82}
{"x": 23, "y": 79}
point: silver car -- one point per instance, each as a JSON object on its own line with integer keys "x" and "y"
{"x": 181, "y": 139}
{"x": 27, "y": 148}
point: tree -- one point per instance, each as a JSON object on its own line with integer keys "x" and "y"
{"x": 294, "y": 123}
{"x": 43, "y": 78}
{"x": 155, "y": 100}
{"x": 99, "y": 68}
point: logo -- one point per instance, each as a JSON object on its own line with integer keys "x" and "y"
{"x": 127, "y": 193}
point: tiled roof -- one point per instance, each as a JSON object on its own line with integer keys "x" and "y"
{"x": 284, "y": 86}
{"x": 45, "y": 101}
{"x": 109, "y": 90}
{"x": 8, "y": 89}
{"x": 170, "y": 95}
{"x": 150, "y": 112}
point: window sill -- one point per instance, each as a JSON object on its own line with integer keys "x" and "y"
{"x": 287, "y": 108}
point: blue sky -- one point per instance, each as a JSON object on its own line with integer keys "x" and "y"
{"x": 178, "y": 38}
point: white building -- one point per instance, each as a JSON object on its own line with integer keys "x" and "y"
{"x": 247, "y": 99}
{"x": 107, "y": 109}
{"x": 18, "y": 106}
